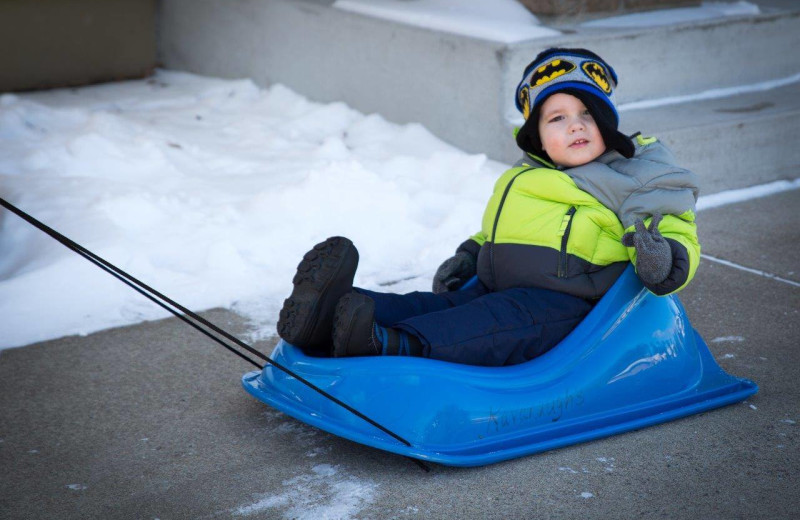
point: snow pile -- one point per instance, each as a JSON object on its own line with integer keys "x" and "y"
{"x": 497, "y": 20}
{"x": 320, "y": 495}
{"x": 210, "y": 191}
{"x": 706, "y": 11}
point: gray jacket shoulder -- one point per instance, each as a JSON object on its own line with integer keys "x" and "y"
{"x": 638, "y": 187}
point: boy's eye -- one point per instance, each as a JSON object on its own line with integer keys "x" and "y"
{"x": 555, "y": 119}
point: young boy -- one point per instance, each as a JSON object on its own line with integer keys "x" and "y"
{"x": 559, "y": 229}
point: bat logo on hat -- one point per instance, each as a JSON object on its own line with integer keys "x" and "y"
{"x": 550, "y": 71}
{"x": 525, "y": 101}
{"x": 597, "y": 73}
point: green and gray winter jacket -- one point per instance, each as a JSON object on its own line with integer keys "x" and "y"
{"x": 562, "y": 229}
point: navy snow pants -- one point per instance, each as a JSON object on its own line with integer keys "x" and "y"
{"x": 478, "y": 327}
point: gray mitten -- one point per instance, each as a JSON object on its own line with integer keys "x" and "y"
{"x": 454, "y": 272}
{"x": 653, "y": 254}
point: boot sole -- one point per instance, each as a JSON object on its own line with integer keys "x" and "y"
{"x": 323, "y": 276}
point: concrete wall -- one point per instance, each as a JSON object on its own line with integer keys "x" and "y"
{"x": 52, "y": 43}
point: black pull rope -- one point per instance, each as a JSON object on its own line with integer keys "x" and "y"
{"x": 170, "y": 305}
{"x": 178, "y": 315}
{"x": 137, "y": 285}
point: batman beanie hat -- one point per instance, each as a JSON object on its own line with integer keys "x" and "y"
{"x": 580, "y": 73}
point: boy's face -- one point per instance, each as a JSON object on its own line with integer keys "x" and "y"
{"x": 568, "y": 132}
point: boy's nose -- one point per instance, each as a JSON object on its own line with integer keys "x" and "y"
{"x": 576, "y": 125}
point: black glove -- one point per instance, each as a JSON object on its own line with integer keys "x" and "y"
{"x": 454, "y": 272}
{"x": 653, "y": 254}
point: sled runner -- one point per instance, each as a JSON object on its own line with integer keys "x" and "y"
{"x": 634, "y": 361}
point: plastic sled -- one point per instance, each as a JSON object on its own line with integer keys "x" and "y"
{"x": 634, "y": 361}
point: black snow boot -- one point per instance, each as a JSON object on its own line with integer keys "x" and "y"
{"x": 355, "y": 332}
{"x": 323, "y": 276}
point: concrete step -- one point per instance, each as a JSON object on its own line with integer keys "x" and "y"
{"x": 460, "y": 88}
{"x": 685, "y": 58}
{"x": 731, "y": 142}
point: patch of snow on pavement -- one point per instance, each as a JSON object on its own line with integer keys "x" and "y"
{"x": 608, "y": 462}
{"x": 297, "y": 430}
{"x": 319, "y": 495}
{"x": 319, "y": 450}
{"x": 728, "y": 339}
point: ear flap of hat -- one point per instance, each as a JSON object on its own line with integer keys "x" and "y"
{"x": 616, "y": 140}
{"x": 528, "y": 136}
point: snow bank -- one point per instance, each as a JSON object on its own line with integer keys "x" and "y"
{"x": 210, "y": 191}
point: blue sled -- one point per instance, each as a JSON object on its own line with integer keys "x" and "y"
{"x": 633, "y": 362}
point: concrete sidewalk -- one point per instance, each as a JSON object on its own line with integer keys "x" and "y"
{"x": 150, "y": 421}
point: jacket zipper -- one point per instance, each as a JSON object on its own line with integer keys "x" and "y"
{"x": 567, "y": 227}
{"x": 497, "y": 220}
